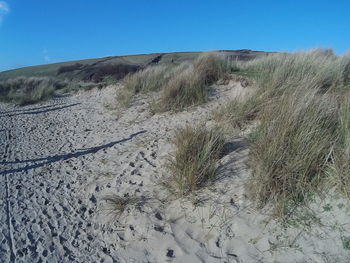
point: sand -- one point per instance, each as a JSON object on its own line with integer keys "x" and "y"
{"x": 59, "y": 159}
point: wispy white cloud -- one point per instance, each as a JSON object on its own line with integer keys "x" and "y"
{"x": 4, "y": 7}
{"x": 4, "y": 10}
{"x": 47, "y": 58}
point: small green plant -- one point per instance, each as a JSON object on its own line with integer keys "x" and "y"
{"x": 194, "y": 162}
{"x": 340, "y": 206}
{"x": 302, "y": 219}
{"x": 346, "y": 242}
{"x": 327, "y": 208}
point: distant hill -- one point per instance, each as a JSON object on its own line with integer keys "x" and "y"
{"x": 95, "y": 69}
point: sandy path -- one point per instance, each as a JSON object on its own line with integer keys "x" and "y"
{"x": 50, "y": 154}
{"x": 60, "y": 158}
{"x": 46, "y": 216}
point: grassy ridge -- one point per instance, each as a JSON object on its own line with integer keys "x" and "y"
{"x": 298, "y": 117}
{"x": 51, "y": 70}
{"x": 301, "y": 143}
{"x": 92, "y": 72}
{"x": 180, "y": 86}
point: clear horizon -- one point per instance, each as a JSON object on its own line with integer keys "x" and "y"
{"x": 43, "y": 32}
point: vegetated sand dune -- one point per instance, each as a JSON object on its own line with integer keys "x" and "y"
{"x": 63, "y": 160}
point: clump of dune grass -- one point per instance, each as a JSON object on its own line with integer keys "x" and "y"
{"x": 300, "y": 146}
{"x": 210, "y": 67}
{"x": 339, "y": 168}
{"x": 291, "y": 149}
{"x": 195, "y": 160}
{"x": 318, "y": 68}
{"x": 239, "y": 112}
{"x": 242, "y": 111}
{"x": 181, "y": 86}
{"x": 116, "y": 205}
{"x": 152, "y": 78}
{"x": 191, "y": 86}
{"x": 124, "y": 97}
{"x": 277, "y": 74}
{"x": 183, "y": 90}
{"x": 23, "y": 90}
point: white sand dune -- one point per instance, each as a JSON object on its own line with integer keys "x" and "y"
{"x": 59, "y": 159}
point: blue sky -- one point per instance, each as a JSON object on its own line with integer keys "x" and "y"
{"x": 45, "y": 31}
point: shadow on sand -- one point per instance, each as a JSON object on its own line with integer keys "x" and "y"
{"x": 37, "y": 110}
{"x": 62, "y": 157}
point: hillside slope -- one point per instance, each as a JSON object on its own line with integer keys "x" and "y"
{"x": 52, "y": 70}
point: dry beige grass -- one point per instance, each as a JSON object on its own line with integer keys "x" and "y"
{"x": 339, "y": 168}
{"x": 239, "y": 112}
{"x": 301, "y": 145}
{"x": 180, "y": 86}
{"x": 115, "y": 205}
{"x": 23, "y": 90}
{"x": 191, "y": 86}
{"x": 291, "y": 147}
{"x": 149, "y": 79}
{"x": 194, "y": 161}
{"x": 183, "y": 90}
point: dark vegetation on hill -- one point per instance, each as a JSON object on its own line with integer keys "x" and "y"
{"x": 98, "y": 73}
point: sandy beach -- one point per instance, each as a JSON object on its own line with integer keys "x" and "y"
{"x": 61, "y": 158}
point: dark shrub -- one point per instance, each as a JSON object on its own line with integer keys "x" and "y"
{"x": 99, "y": 72}
{"x": 70, "y": 68}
